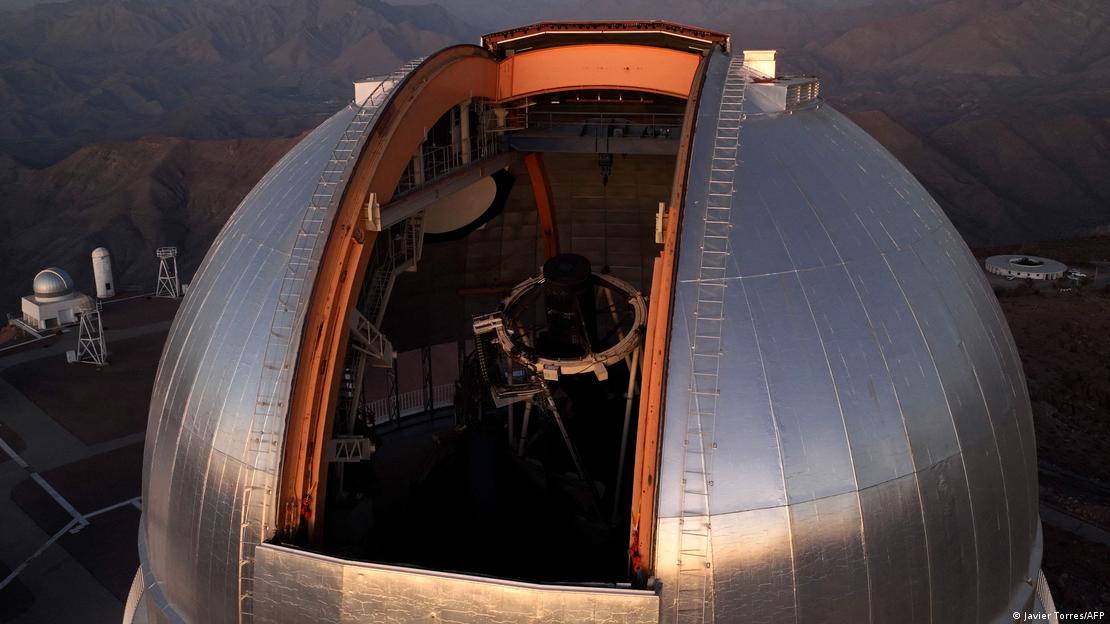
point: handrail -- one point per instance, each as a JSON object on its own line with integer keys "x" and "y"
{"x": 412, "y": 402}
{"x": 1044, "y": 596}
{"x": 439, "y": 161}
{"x": 528, "y": 119}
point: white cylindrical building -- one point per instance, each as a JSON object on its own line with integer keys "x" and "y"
{"x": 102, "y": 273}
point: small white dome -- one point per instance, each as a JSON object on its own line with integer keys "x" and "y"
{"x": 52, "y": 282}
{"x": 100, "y": 252}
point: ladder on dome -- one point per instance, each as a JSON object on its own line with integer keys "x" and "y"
{"x": 264, "y": 446}
{"x": 694, "y": 582}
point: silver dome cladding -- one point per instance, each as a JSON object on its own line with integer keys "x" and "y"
{"x": 52, "y": 282}
{"x": 874, "y": 445}
{"x": 872, "y": 455}
{"x": 212, "y": 456}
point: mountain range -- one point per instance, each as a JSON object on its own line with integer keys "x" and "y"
{"x": 77, "y": 72}
{"x": 130, "y": 197}
{"x": 1000, "y": 107}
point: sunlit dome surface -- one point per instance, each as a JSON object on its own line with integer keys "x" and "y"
{"x": 864, "y": 453}
{"x": 52, "y": 282}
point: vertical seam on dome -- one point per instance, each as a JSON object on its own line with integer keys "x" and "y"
{"x": 909, "y": 443}
{"x": 226, "y": 392}
{"x": 778, "y": 232}
{"x": 812, "y": 208}
{"x": 1001, "y": 470}
{"x": 778, "y": 447}
{"x": 987, "y": 408}
{"x": 952, "y": 419}
{"x": 847, "y": 440}
{"x": 998, "y": 342}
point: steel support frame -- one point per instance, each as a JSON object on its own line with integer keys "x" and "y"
{"x": 426, "y": 368}
{"x": 91, "y": 347}
{"x": 545, "y": 206}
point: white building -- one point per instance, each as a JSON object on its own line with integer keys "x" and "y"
{"x": 102, "y": 273}
{"x": 1030, "y": 267}
{"x": 54, "y": 302}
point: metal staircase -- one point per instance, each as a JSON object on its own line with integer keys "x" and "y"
{"x": 264, "y": 445}
{"x": 397, "y": 250}
{"x": 694, "y": 583}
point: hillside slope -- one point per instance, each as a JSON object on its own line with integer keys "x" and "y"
{"x": 130, "y": 197}
{"x": 1000, "y": 107}
{"x": 92, "y": 70}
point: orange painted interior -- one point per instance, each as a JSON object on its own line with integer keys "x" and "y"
{"x": 446, "y": 79}
{"x": 597, "y": 66}
{"x": 656, "y": 345}
{"x": 450, "y": 77}
{"x": 541, "y": 190}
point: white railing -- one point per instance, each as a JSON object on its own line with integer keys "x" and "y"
{"x": 438, "y": 161}
{"x": 28, "y": 325}
{"x": 412, "y": 402}
{"x": 1044, "y": 596}
{"x": 593, "y": 123}
{"x": 288, "y": 316}
{"x": 367, "y": 339}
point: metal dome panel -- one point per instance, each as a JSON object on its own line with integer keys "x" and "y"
{"x": 871, "y": 454}
{"x": 52, "y": 282}
{"x": 871, "y": 451}
{"x": 201, "y": 462}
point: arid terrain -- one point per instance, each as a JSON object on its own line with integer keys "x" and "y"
{"x": 129, "y": 197}
{"x": 73, "y": 73}
{"x": 999, "y": 107}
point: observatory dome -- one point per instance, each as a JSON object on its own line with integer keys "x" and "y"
{"x": 52, "y": 282}
{"x": 833, "y": 423}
